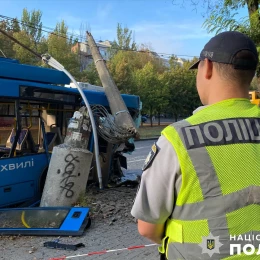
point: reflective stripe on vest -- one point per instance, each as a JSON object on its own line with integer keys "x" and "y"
{"x": 203, "y": 205}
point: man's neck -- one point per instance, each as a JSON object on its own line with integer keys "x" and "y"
{"x": 227, "y": 92}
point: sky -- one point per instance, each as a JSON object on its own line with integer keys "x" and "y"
{"x": 166, "y": 26}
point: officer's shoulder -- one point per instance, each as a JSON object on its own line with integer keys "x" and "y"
{"x": 152, "y": 154}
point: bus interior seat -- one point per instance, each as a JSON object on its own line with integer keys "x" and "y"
{"x": 25, "y": 141}
{"x": 31, "y": 146}
{"x": 21, "y": 139}
{"x": 50, "y": 139}
{"x": 53, "y": 137}
{"x": 58, "y": 140}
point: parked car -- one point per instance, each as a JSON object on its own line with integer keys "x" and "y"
{"x": 144, "y": 119}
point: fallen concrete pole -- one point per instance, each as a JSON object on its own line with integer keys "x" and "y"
{"x": 115, "y": 100}
{"x": 67, "y": 176}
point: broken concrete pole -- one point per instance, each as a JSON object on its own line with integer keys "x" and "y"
{"x": 67, "y": 176}
{"x": 115, "y": 100}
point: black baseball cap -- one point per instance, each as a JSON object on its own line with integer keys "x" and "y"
{"x": 223, "y": 48}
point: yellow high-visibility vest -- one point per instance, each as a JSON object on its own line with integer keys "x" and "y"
{"x": 218, "y": 149}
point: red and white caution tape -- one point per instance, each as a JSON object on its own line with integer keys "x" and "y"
{"x": 103, "y": 252}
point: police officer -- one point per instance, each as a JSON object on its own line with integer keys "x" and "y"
{"x": 200, "y": 184}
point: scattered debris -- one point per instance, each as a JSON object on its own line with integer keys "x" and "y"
{"x": 111, "y": 204}
{"x": 57, "y": 245}
{"x": 33, "y": 249}
{"x": 129, "y": 179}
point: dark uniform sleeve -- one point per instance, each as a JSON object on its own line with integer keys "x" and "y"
{"x": 155, "y": 198}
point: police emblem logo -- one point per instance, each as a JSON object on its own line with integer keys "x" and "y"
{"x": 150, "y": 157}
{"x": 210, "y": 244}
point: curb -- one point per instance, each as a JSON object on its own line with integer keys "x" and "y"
{"x": 147, "y": 139}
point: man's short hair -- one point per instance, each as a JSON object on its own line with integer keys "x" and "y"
{"x": 241, "y": 76}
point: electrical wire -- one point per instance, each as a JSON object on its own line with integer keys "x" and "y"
{"x": 107, "y": 128}
{"x": 31, "y": 25}
{"x": 24, "y": 46}
{"x": 3, "y": 53}
{"x": 76, "y": 35}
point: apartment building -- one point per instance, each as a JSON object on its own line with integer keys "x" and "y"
{"x": 85, "y": 56}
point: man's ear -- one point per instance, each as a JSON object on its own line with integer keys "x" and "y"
{"x": 208, "y": 68}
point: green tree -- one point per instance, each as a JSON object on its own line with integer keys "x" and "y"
{"x": 124, "y": 40}
{"x": 120, "y": 68}
{"x": 15, "y": 27}
{"x": 21, "y": 53}
{"x": 163, "y": 100}
{"x": 149, "y": 88}
{"x": 225, "y": 16}
{"x": 32, "y": 25}
{"x": 43, "y": 45}
{"x": 59, "y": 47}
{"x": 181, "y": 93}
{"x": 91, "y": 75}
{"x": 123, "y": 65}
{"x": 29, "y": 33}
{"x": 173, "y": 62}
{"x": 146, "y": 54}
{"x": 6, "y": 44}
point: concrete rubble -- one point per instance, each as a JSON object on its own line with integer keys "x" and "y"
{"x": 112, "y": 204}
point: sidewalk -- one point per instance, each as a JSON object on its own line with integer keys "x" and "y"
{"x": 100, "y": 236}
{"x": 116, "y": 236}
{"x": 112, "y": 228}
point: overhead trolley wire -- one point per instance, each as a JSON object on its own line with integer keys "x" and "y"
{"x": 76, "y": 35}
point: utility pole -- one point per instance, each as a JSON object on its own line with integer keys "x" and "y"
{"x": 116, "y": 102}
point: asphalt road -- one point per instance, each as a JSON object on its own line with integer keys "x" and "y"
{"x": 100, "y": 236}
{"x": 135, "y": 161}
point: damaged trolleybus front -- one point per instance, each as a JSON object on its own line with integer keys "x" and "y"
{"x": 35, "y": 109}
